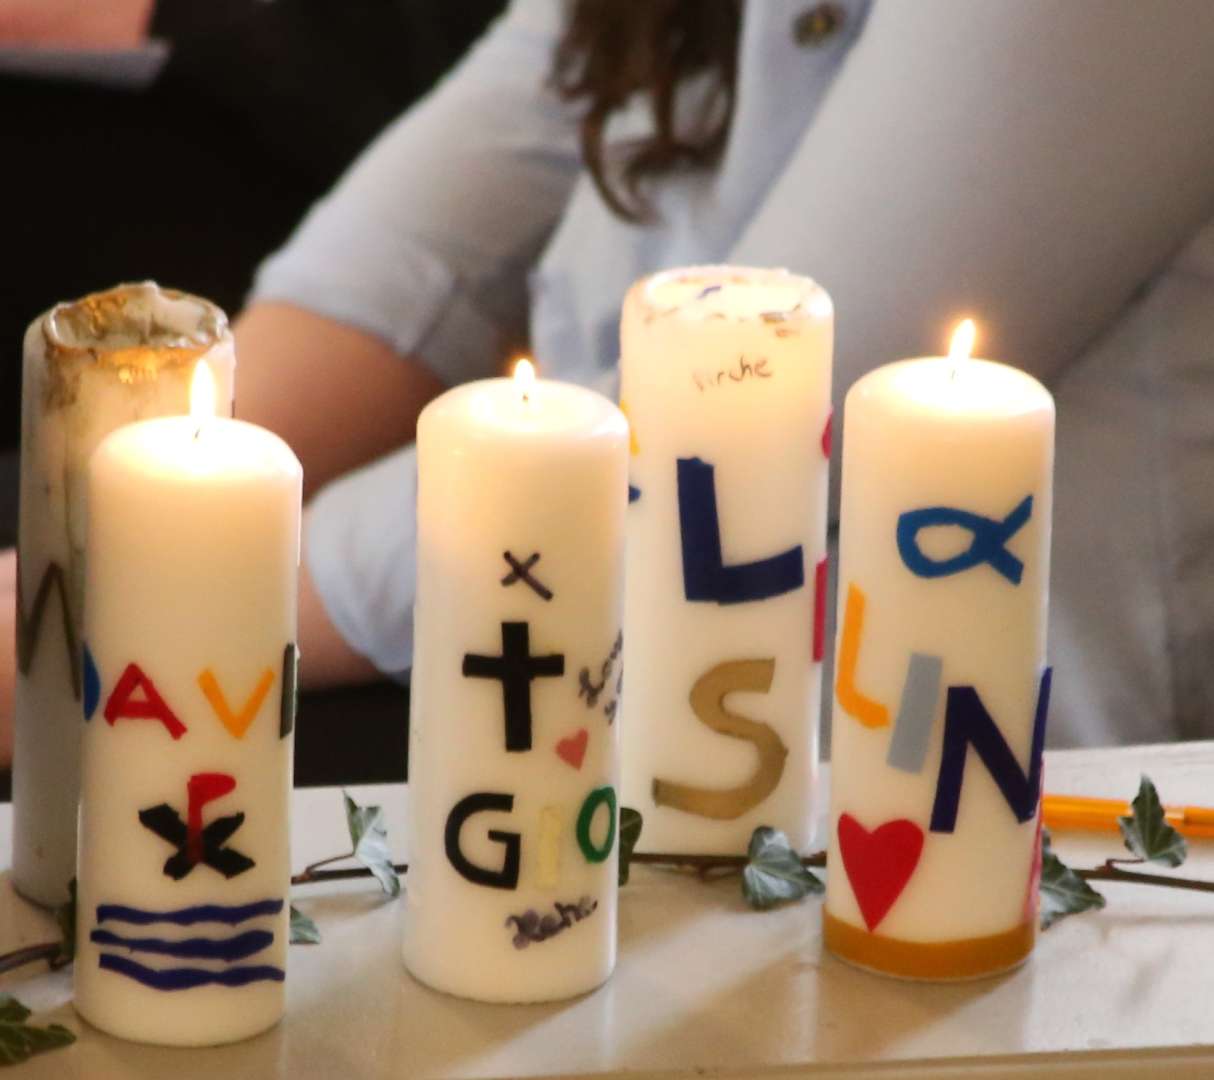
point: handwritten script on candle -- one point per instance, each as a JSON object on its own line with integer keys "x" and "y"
{"x": 738, "y": 371}
{"x": 534, "y": 927}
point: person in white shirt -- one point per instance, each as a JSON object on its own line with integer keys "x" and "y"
{"x": 1038, "y": 165}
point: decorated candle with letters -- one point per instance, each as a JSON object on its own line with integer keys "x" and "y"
{"x": 941, "y": 689}
{"x": 726, "y": 381}
{"x": 90, "y": 366}
{"x": 189, "y": 674}
{"x": 513, "y": 772}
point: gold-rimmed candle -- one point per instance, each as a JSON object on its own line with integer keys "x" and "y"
{"x": 91, "y": 365}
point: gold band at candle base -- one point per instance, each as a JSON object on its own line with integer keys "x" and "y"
{"x": 970, "y": 958}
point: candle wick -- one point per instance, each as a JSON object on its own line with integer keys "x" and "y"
{"x": 197, "y": 432}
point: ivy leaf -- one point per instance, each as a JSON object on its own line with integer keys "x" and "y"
{"x": 304, "y": 930}
{"x": 369, "y": 836}
{"x": 774, "y": 873}
{"x": 1063, "y": 892}
{"x": 630, "y": 832}
{"x": 19, "y": 1041}
{"x": 1146, "y": 831}
{"x": 12, "y": 1011}
{"x": 65, "y": 916}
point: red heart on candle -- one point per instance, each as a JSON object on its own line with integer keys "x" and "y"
{"x": 572, "y": 749}
{"x": 879, "y": 863}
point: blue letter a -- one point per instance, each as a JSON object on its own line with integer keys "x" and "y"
{"x": 705, "y": 576}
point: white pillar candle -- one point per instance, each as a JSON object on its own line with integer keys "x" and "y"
{"x": 941, "y": 685}
{"x": 189, "y": 696}
{"x": 513, "y": 771}
{"x": 726, "y": 378}
{"x": 90, "y": 366}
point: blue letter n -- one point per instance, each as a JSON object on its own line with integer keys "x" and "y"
{"x": 966, "y": 724}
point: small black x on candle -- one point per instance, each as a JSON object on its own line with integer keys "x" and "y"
{"x": 521, "y": 571}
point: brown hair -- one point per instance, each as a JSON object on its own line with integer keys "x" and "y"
{"x": 612, "y": 49}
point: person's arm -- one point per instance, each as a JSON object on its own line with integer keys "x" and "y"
{"x": 411, "y": 274}
{"x": 1031, "y": 164}
{"x": 339, "y": 396}
{"x": 403, "y": 280}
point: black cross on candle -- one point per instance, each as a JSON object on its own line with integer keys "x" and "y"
{"x": 516, "y": 667}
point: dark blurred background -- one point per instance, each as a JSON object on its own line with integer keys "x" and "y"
{"x": 181, "y": 140}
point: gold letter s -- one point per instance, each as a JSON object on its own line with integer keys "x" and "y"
{"x": 708, "y": 702}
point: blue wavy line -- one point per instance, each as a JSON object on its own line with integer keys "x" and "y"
{"x": 223, "y": 913}
{"x": 230, "y": 949}
{"x": 185, "y": 978}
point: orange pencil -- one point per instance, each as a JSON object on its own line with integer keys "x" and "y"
{"x": 1082, "y": 812}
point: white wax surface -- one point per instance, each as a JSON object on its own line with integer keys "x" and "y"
{"x": 193, "y": 551}
{"x": 76, "y": 389}
{"x": 977, "y": 436}
{"x": 731, "y": 366}
{"x": 545, "y": 476}
{"x": 705, "y": 292}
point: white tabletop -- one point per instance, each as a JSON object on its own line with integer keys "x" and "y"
{"x": 705, "y": 984}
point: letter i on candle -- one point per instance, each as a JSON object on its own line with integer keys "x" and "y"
{"x": 941, "y": 688}
{"x": 189, "y": 705}
{"x": 513, "y": 771}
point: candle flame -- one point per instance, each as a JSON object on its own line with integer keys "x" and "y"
{"x": 962, "y": 345}
{"x": 202, "y": 392}
{"x": 524, "y": 373}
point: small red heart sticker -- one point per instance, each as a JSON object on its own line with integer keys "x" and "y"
{"x": 572, "y": 750}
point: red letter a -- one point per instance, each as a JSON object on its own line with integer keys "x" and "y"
{"x": 120, "y": 705}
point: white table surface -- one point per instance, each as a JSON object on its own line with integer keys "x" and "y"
{"x": 704, "y": 985}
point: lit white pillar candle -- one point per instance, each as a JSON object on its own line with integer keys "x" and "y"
{"x": 726, "y": 381}
{"x": 941, "y": 686}
{"x": 511, "y": 893}
{"x": 90, "y": 366}
{"x": 189, "y": 698}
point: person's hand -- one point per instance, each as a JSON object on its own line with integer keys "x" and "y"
{"x": 76, "y": 24}
{"x": 8, "y": 651}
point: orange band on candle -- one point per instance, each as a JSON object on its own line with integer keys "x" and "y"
{"x": 969, "y": 958}
{"x": 236, "y": 723}
{"x": 869, "y": 712}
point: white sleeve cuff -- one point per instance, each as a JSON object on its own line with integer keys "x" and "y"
{"x": 361, "y": 548}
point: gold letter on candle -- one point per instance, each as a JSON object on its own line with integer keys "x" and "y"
{"x": 708, "y": 702}
{"x": 870, "y": 713}
{"x": 548, "y": 862}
